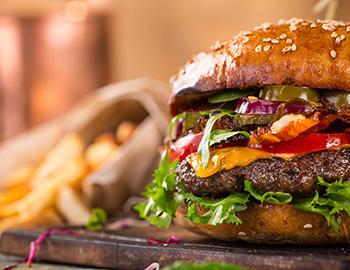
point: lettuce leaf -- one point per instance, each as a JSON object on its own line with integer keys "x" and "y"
{"x": 269, "y": 197}
{"x": 217, "y": 211}
{"x": 336, "y": 199}
{"x": 161, "y": 203}
{"x": 164, "y": 196}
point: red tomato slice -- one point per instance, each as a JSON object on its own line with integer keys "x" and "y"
{"x": 185, "y": 146}
{"x": 300, "y": 145}
{"x": 307, "y": 143}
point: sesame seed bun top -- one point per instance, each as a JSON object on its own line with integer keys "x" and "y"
{"x": 294, "y": 52}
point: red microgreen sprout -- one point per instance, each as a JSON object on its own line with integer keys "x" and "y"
{"x": 10, "y": 267}
{"x": 171, "y": 240}
{"x": 153, "y": 266}
{"x": 35, "y": 244}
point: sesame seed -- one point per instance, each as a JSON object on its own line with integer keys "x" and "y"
{"x": 348, "y": 29}
{"x": 267, "y": 48}
{"x": 217, "y": 46}
{"x": 294, "y": 47}
{"x": 237, "y": 54}
{"x": 283, "y": 36}
{"x": 245, "y": 39}
{"x": 266, "y": 39}
{"x": 339, "y": 39}
{"x": 289, "y": 41}
{"x": 293, "y": 27}
{"x": 266, "y": 25}
{"x": 258, "y": 48}
{"x": 333, "y": 54}
{"x": 328, "y": 27}
{"x": 275, "y": 41}
{"x": 256, "y": 28}
{"x": 286, "y": 49}
{"x": 334, "y": 35}
{"x": 304, "y": 23}
{"x": 313, "y": 25}
{"x": 242, "y": 234}
{"x": 308, "y": 226}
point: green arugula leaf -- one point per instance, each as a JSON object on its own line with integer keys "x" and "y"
{"x": 218, "y": 211}
{"x": 173, "y": 123}
{"x": 230, "y": 95}
{"x": 161, "y": 205}
{"x": 221, "y": 135}
{"x": 269, "y": 197}
{"x": 202, "y": 266}
{"x": 335, "y": 200}
{"x": 97, "y": 220}
{"x": 203, "y": 148}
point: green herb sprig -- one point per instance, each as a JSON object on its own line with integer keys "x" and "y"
{"x": 97, "y": 220}
{"x": 203, "y": 148}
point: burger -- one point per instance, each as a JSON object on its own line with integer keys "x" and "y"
{"x": 259, "y": 143}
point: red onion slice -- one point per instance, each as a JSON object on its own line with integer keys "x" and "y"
{"x": 260, "y": 106}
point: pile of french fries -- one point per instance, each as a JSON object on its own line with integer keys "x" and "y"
{"x": 49, "y": 193}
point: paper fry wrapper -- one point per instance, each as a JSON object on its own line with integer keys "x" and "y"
{"x": 128, "y": 170}
{"x": 131, "y": 166}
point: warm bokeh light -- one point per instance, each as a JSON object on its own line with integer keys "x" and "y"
{"x": 76, "y": 11}
{"x": 56, "y": 51}
{"x": 12, "y": 98}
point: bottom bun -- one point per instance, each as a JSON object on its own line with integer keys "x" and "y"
{"x": 275, "y": 224}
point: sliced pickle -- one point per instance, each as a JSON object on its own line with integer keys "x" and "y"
{"x": 231, "y": 94}
{"x": 287, "y": 93}
{"x": 338, "y": 98}
{"x": 256, "y": 119}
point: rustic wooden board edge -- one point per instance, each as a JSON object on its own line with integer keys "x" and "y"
{"x": 122, "y": 252}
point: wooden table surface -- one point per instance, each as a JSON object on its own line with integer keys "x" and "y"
{"x": 10, "y": 260}
{"x": 129, "y": 249}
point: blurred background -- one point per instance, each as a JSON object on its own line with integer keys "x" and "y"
{"x": 53, "y": 52}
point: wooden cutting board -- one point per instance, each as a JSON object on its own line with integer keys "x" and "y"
{"x": 128, "y": 249}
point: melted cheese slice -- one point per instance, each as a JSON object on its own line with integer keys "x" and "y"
{"x": 226, "y": 159}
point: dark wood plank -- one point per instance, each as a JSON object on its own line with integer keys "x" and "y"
{"x": 128, "y": 249}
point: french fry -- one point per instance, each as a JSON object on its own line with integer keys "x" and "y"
{"x": 19, "y": 177}
{"x": 124, "y": 131}
{"x": 48, "y": 217}
{"x": 43, "y": 195}
{"x": 71, "y": 207}
{"x": 13, "y": 194}
{"x": 69, "y": 147}
{"x": 98, "y": 152}
{"x": 105, "y": 137}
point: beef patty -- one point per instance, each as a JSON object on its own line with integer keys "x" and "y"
{"x": 297, "y": 176}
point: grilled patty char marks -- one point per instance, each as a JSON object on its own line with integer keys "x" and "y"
{"x": 297, "y": 176}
